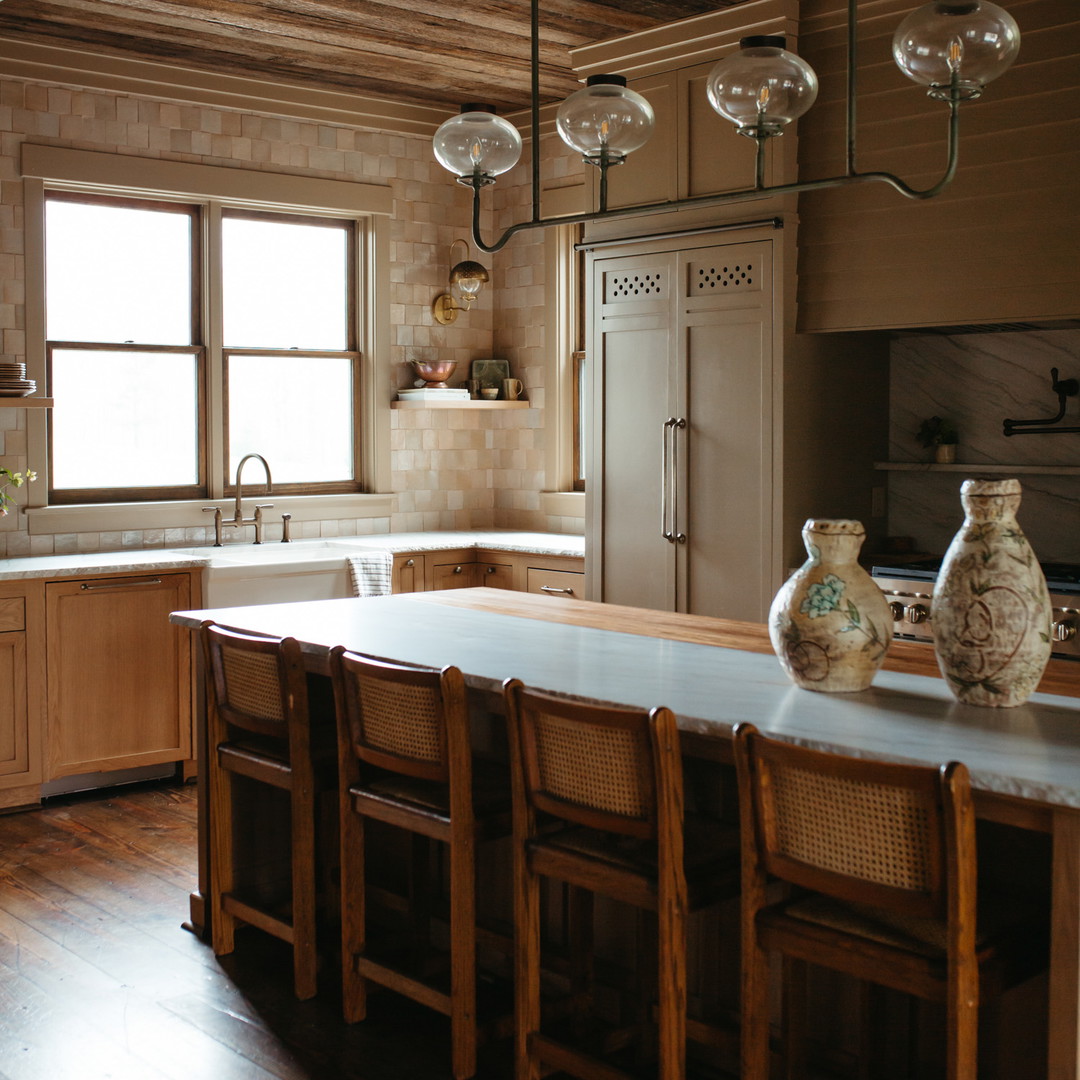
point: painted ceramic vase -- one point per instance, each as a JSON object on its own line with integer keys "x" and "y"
{"x": 830, "y": 624}
{"x": 991, "y": 611}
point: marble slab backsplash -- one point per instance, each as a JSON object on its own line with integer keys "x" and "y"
{"x": 977, "y": 381}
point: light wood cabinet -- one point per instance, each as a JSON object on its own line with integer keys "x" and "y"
{"x": 556, "y": 583}
{"x": 417, "y": 571}
{"x": 119, "y": 674}
{"x": 451, "y": 569}
{"x": 22, "y": 676}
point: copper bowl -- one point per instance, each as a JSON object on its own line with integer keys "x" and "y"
{"x": 434, "y": 372}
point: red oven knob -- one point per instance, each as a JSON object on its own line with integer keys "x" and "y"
{"x": 916, "y": 613}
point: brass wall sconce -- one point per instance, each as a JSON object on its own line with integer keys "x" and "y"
{"x": 466, "y": 279}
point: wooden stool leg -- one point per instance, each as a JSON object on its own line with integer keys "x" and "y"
{"x": 579, "y": 939}
{"x": 526, "y": 966}
{"x": 793, "y": 1012}
{"x": 672, "y": 990}
{"x": 755, "y": 1009}
{"x": 303, "y": 890}
{"x": 353, "y": 913}
{"x": 463, "y": 957}
{"x": 420, "y": 887}
{"x": 222, "y": 861}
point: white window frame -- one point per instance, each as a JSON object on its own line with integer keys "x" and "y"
{"x": 46, "y": 168}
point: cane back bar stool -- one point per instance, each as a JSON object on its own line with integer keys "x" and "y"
{"x": 405, "y": 758}
{"x": 259, "y": 727}
{"x": 881, "y": 863}
{"x": 598, "y": 805}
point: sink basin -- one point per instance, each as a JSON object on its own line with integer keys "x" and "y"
{"x": 273, "y": 573}
{"x": 260, "y": 554}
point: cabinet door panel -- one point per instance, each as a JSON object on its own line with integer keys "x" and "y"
{"x": 495, "y": 575}
{"x": 453, "y": 575}
{"x": 118, "y": 674}
{"x": 14, "y": 730}
{"x": 408, "y": 573}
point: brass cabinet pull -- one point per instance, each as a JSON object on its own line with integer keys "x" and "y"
{"x": 459, "y": 569}
{"x": 410, "y": 562}
{"x": 491, "y": 569}
{"x": 119, "y": 583}
{"x": 552, "y": 589}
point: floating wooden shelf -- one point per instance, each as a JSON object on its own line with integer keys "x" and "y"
{"x": 26, "y": 402}
{"x": 470, "y": 404}
{"x": 972, "y": 467}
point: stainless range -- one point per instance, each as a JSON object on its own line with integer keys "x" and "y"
{"x": 909, "y": 588}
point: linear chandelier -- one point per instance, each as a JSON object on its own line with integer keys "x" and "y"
{"x": 953, "y": 47}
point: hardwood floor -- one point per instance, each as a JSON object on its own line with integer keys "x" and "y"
{"x": 99, "y": 980}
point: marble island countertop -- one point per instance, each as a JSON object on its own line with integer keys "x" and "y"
{"x": 327, "y": 549}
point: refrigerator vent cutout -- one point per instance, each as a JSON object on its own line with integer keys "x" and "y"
{"x": 707, "y": 277}
{"x": 635, "y": 285}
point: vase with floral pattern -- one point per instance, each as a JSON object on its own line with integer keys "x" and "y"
{"x": 991, "y": 613}
{"x": 830, "y": 624}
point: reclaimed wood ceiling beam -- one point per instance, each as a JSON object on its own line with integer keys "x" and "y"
{"x": 419, "y": 51}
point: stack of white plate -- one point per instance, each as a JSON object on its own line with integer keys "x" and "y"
{"x": 13, "y": 381}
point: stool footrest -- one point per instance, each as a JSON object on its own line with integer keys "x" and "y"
{"x": 393, "y": 979}
{"x": 258, "y": 917}
{"x": 565, "y": 1058}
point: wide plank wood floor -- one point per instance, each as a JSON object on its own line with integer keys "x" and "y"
{"x": 98, "y": 979}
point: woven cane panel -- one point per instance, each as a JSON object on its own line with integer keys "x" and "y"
{"x": 600, "y": 768}
{"x": 868, "y": 831}
{"x": 251, "y": 683}
{"x": 402, "y": 720}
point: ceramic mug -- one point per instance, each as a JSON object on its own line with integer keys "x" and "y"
{"x": 512, "y": 389}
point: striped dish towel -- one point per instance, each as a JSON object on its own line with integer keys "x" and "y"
{"x": 371, "y": 573}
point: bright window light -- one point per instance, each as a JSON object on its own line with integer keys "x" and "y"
{"x": 285, "y": 284}
{"x": 118, "y": 273}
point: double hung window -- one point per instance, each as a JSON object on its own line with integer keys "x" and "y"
{"x": 181, "y": 336}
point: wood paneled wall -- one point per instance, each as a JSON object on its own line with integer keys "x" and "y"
{"x": 999, "y": 246}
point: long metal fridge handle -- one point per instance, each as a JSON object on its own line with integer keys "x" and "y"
{"x": 665, "y": 472}
{"x": 676, "y": 426}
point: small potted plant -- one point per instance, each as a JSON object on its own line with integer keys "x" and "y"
{"x": 941, "y": 434}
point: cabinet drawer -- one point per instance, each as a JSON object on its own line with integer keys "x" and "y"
{"x": 12, "y": 614}
{"x": 557, "y": 583}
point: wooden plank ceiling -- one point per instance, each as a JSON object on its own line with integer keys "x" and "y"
{"x": 419, "y": 51}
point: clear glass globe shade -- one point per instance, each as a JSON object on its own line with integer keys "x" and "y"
{"x": 973, "y": 38}
{"x": 477, "y": 144}
{"x": 605, "y": 121}
{"x": 762, "y": 87}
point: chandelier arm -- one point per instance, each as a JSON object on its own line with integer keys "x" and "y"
{"x": 746, "y": 195}
{"x": 760, "y": 190}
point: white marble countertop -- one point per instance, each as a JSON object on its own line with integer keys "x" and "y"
{"x": 96, "y": 562}
{"x": 326, "y": 549}
{"x": 1031, "y": 752}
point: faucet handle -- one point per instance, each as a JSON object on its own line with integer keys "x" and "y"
{"x": 216, "y": 511}
{"x": 259, "y": 508}
{"x": 285, "y": 537}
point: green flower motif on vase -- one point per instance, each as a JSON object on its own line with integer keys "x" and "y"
{"x": 823, "y": 597}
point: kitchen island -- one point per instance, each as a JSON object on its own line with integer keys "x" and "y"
{"x": 713, "y": 673}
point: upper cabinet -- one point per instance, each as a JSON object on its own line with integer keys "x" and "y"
{"x": 693, "y": 151}
{"x": 999, "y": 245}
